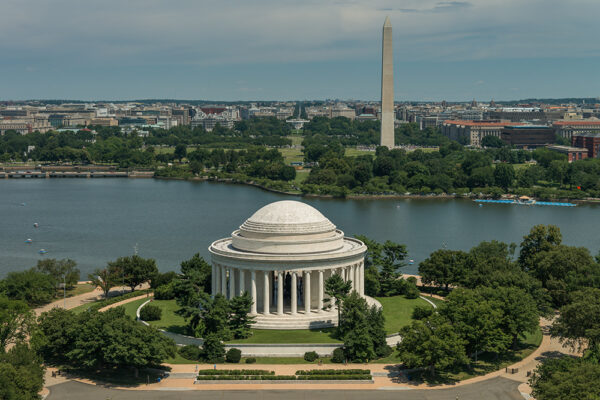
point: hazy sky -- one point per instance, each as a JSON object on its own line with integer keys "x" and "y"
{"x": 309, "y": 49}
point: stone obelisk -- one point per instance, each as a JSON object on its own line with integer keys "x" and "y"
{"x": 387, "y": 86}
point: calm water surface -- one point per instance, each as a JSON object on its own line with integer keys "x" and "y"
{"x": 97, "y": 220}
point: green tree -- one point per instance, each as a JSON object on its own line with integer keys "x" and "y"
{"x": 208, "y": 316}
{"x": 336, "y": 288}
{"x": 61, "y": 271}
{"x": 198, "y": 271}
{"x": 492, "y": 141}
{"x": 21, "y": 373}
{"x": 433, "y": 344}
{"x": 241, "y": 321}
{"x": 180, "y": 151}
{"x": 135, "y": 269}
{"x": 56, "y": 334}
{"x": 213, "y": 349}
{"x": 477, "y": 320}
{"x": 111, "y": 339}
{"x": 563, "y": 270}
{"x": 578, "y": 324}
{"x": 358, "y": 345}
{"x": 16, "y": 321}
{"x": 377, "y": 333}
{"x": 566, "y": 378}
{"x": 504, "y": 175}
{"x": 540, "y": 238}
{"x": 392, "y": 258}
{"x": 32, "y": 286}
{"x": 443, "y": 267}
{"x": 105, "y": 279}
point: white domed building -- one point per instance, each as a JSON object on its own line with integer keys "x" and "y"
{"x": 282, "y": 255}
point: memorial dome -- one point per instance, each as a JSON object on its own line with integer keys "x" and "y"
{"x": 287, "y": 227}
{"x": 286, "y": 217}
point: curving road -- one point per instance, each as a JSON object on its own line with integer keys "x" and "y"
{"x": 491, "y": 389}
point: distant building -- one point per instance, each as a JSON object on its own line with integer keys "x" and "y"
{"x": 567, "y": 129}
{"x": 104, "y": 122}
{"x": 528, "y": 136}
{"x": 591, "y": 141}
{"x": 25, "y": 126}
{"x": 573, "y": 153}
{"x": 517, "y": 114}
{"x": 297, "y": 123}
{"x": 474, "y": 131}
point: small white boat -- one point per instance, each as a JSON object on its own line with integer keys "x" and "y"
{"x": 35, "y": 225}
{"x": 411, "y": 262}
{"x": 42, "y": 251}
{"x": 28, "y": 241}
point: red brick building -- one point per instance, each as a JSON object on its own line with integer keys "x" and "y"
{"x": 591, "y": 141}
{"x": 573, "y": 153}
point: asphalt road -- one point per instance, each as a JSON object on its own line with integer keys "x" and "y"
{"x": 492, "y": 389}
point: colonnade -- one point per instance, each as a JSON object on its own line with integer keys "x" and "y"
{"x": 268, "y": 285}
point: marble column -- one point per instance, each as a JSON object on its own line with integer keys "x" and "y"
{"x": 223, "y": 280}
{"x": 231, "y": 283}
{"x": 307, "y": 292}
{"x": 351, "y": 276}
{"x": 294, "y": 295}
{"x": 321, "y": 290}
{"x": 279, "y": 293}
{"x": 357, "y": 278}
{"x": 242, "y": 283}
{"x": 362, "y": 278}
{"x": 266, "y": 293}
{"x": 213, "y": 273}
{"x": 253, "y": 291}
{"x": 217, "y": 279}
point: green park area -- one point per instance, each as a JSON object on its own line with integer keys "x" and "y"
{"x": 397, "y": 311}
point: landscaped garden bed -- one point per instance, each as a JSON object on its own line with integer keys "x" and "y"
{"x": 321, "y": 375}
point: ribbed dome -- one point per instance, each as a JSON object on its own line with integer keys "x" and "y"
{"x": 286, "y": 217}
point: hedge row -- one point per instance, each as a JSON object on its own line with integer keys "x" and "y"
{"x": 333, "y": 377}
{"x": 245, "y": 377}
{"x": 283, "y": 377}
{"x": 334, "y": 372}
{"x": 235, "y": 372}
{"x": 107, "y": 302}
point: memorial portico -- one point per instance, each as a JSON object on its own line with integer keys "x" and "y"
{"x": 282, "y": 255}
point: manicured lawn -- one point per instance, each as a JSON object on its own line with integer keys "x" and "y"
{"x": 289, "y": 336}
{"x": 83, "y": 307}
{"x": 398, "y": 311}
{"x": 170, "y": 321}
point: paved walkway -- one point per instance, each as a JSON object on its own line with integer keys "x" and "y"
{"x": 493, "y": 389}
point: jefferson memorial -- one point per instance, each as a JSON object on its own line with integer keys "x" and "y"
{"x": 282, "y": 255}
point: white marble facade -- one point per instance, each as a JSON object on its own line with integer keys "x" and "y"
{"x": 282, "y": 255}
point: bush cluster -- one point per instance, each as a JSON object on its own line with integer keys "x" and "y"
{"x": 233, "y": 355}
{"x": 250, "y": 360}
{"x": 150, "y": 312}
{"x": 235, "y": 372}
{"x": 334, "y": 372}
{"x": 190, "y": 352}
{"x": 338, "y": 356}
{"x": 245, "y": 377}
{"x": 165, "y": 292}
{"x": 333, "y": 377}
{"x": 311, "y": 356}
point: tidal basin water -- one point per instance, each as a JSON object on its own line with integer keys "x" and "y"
{"x": 93, "y": 221}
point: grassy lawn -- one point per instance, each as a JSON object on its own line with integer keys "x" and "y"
{"x": 301, "y": 175}
{"x": 289, "y": 336}
{"x": 78, "y": 289}
{"x": 296, "y": 138}
{"x": 83, "y": 307}
{"x": 398, "y": 311}
{"x": 170, "y": 321}
{"x": 291, "y": 155}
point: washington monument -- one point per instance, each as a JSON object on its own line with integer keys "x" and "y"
{"x": 387, "y": 87}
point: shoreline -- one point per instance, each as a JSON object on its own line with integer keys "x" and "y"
{"x": 590, "y": 200}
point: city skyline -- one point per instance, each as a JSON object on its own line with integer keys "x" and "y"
{"x": 267, "y": 50}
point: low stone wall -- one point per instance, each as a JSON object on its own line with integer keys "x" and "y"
{"x": 284, "y": 350}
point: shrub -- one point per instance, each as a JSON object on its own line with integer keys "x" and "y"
{"x": 233, "y": 355}
{"x": 310, "y": 356}
{"x": 384, "y": 351}
{"x": 165, "y": 292}
{"x": 338, "y": 356}
{"x": 422, "y": 312}
{"x": 250, "y": 360}
{"x": 150, "y": 312}
{"x": 190, "y": 352}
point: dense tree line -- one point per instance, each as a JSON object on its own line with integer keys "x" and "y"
{"x": 452, "y": 169}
